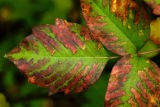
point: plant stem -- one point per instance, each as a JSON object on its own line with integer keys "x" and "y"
{"x": 143, "y": 53}
{"x": 114, "y": 57}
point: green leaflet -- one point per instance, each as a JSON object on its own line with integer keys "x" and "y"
{"x": 121, "y": 25}
{"x": 62, "y": 57}
{"x": 134, "y": 82}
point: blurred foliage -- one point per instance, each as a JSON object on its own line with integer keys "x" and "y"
{"x": 35, "y": 11}
{"x": 3, "y": 102}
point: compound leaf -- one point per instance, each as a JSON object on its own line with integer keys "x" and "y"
{"x": 62, "y": 57}
{"x": 134, "y": 82}
{"x": 121, "y": 25}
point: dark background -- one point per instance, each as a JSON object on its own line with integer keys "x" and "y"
{"x": 17, "y": 17}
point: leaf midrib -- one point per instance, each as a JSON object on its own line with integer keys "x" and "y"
{"x": 78, "y": 57}
{"x": 131, "y": 77}
{"x": 33, "y": 56}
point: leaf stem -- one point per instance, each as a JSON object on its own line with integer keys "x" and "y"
{"x": 114, "y": 57}
{"x": 143, "y": 53}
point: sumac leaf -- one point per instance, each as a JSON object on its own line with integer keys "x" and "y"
{"x": 134, "y": 81}
{"x": 62, "y": 57}
{"x": 121, "y": 25}
{"x": 155, "y": 5}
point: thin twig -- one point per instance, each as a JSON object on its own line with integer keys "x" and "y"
{"x": 114, "y": 57}
{"x": 143, "y": 53}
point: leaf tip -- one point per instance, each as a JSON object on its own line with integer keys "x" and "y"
{"x": 5, "y": 56}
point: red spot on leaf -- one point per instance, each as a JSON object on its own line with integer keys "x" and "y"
{"x": 115, "y": 95}
{"x": 55, "y": 88}
{"x": 87, "y": 80}
{"x": 132, "y": 102}
{"x": 90, "y": 36}
{"x": 47, "y": 41}
{"x": 86, "y": 33}
{"x": 31, "y": 79}
{"x": 74, "y": 83}
{"x": 138, "y": 98}
{"x": 65, "y": 36}
{"x": 15, "y": 50}
{"x": 145, "y": 79}
{"x": 113, "y": 104}
{"x": 157, "y": 10}
{"x": 120, "y": 8}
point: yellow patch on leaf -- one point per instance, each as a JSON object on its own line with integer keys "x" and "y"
{"x": 155, "y": 31}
